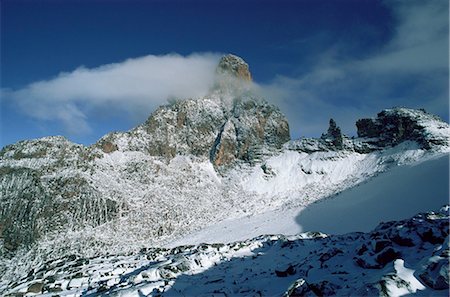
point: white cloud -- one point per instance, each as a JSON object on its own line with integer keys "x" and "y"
{"x": 420, "y": 41}
{"x": 410, "y": 70}
{"x": 134, "y": 86}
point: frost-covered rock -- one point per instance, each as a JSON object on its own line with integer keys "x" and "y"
{"x": 234, "y": 66}
{"x": 334, "y": 135}
{"x": 392, "y": 126}
{"x": 435, "y": 271}
{"x": 332, "y": 140}
{"x": 206, "y": 128}
{"x": 269, "y": 265}
{"x": 252, "y": 128}
{"x": 44, "y": 189}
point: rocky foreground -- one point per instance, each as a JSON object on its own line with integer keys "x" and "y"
{"x": 396, "y": 258}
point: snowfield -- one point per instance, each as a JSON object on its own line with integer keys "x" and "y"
{"x": 395, "y": 194}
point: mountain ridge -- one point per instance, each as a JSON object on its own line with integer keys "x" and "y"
{"x": 192, "y": 163}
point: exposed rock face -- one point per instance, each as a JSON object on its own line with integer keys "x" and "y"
{"x": 225, "y": 148}
{"x": 435, "y": 273}
{"x": 36, "y": 199}
{"x": 252, "y": 127}
{"x": 232, "y": 77}
{"x": 108, "y": 147}
{"x": 188, "y": 127}
{"x": 207, "y": 127}
{"x": 333, "y": 140}
{"x": 367, "y": 128}
{"x": 234, "y": 65}
{"x": 395, "y": 125}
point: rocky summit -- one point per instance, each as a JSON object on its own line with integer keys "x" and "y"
{"x": 193, "y": 164}
{"x": 235, "y": 66}
{"x": 225, "y": 126}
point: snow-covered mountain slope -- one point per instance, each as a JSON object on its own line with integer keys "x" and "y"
{"x": 192, "y": 165}
{"x": 395, "y": 259}
{"x": 394, "y": 194}
{"x": 57, "y": 201}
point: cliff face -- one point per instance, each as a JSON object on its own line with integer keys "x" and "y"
{"x": 252, "y": 127}
{"x": 45, "y": 189}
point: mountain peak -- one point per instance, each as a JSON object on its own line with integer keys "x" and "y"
{"x": 234, "y": 66}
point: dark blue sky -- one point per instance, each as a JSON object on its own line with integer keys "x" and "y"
{"x": 292, "y": 40}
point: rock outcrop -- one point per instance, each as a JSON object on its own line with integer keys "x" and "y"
{"x": 392, "y": 126}
{"x": 252, "y": 128}
{"x": 234, "y": 66}
{"x": 334, "y": 135}
{"x": 332, "y": 140}
{"x": 44, "y": 190}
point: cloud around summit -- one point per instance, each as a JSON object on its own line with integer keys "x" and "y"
{"x": 134, "y": 87}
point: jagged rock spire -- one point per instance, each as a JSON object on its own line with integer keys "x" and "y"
{"x": 334, "y": 134}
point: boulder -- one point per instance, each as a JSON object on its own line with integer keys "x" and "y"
{"x": 299, "y": 288}
{"x": 435, "y": 273}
